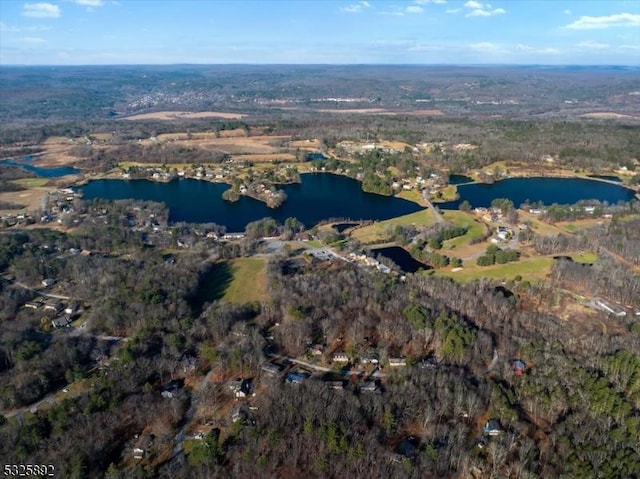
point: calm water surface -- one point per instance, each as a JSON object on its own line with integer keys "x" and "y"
{"x": 320, "y": 196}
{"x": 402, "y": 258}
{"x": 41, "y": 170}
{"x": 547, "y": 190}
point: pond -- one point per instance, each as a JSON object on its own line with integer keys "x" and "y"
{"x": 544, "y": 189}
{"x": 320, "y": 196}
{"x": 402, "y": 258}
{"x": 42, "y": 171}
{"x": 459, "y": 179}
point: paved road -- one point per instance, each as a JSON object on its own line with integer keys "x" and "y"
{"x": 425, "y": 197}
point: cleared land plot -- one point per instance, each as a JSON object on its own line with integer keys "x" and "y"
{"x": 584, "y": 257}
{"x": 249, "y": 281}
{"x": 529, "y": 269}
{"x": 573, "y": 226}
{"x": 377, "y": 232}
{"x": 187, "y": 115}
{"x": 30, "y": 199}
{"x": 607, "y": 115}
{"x": 264, "y": 158}
{"x": 476, "y": 228}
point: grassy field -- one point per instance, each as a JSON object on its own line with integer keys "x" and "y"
{"x": 530, "y": 269}
{"x": 31, "y": 182}
{"x": 410, "y": 195}
{"x": 377, "y": 231}
{"x": 249, "y": 281}
{"x": 476, "y": 229}
{"x": 584, "y": 257}
{"x": 449, "y": 193}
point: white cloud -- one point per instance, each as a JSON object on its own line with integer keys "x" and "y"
{"x": 40, "y": 10}
{"x": 487, "y": 47}
{"x": 424, "y": 2}
{"x": 482, "y": 10}
{"x": 529, "y": 49}
{"x": 415, "y": 9}
{"x": 608, "y": 21}
{"x": 590, "y": 44}
{"x": 356, "y": 7}
{"x": 567, "y": 12}
{"x": 453, "y": 10}
{"x": 89, "y": 3}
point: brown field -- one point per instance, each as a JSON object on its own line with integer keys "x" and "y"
{"x": 366, "y": 111}
{"x": 188, "y": 115}
{"x": 305, "y": 144}
{"x": 262, "y": 158}
{"x": 382, "y": 111}
{"x": 607, "y": 115}
{"x": 31, "y": 199}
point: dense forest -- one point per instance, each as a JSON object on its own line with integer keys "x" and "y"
{"x": 573, "y": 413}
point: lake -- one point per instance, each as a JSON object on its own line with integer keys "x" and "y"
{"x": 402, "y": 258}
{"x": 547, "y": 190}
{"x": 42, "y": 171}
{"x": 320, "y": 196}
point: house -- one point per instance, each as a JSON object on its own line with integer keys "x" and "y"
{"x": 368, "y": 387}
{"x": 172, "y": 389}
{"x": 59, "y": 323}
{"x": 72, "y": 309}
{"x": 238, "y": 415}
{"x": 397, "y": 362}
{"x": 371, "y": 358}
{"x": 188, "y": 363}
{"x": 48, "y": 282}
{"x": 340, "y": 358}
{"x": 519, "y": 367}
{"x": 295, "y": 378}
{"x": 55, "y": 307}
{"x": 241, "y": 388}
{"x": 492, "y": 428}
{"x": 144, "y": 442}
{"x": 33, "y": 304}
{"x": 335, "y": 385}
{"x": 428, "y": 363}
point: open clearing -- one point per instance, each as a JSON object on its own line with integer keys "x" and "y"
{"x": 377, "y": 232}
{"x": 185, "y": 115}
{"x": 476, "y": 229}
{"x": 381, "y": 111}
{"x": 249, "y": 282}
{"x": 528, "y": 268}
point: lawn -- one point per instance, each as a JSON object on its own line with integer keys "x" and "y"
{"x": 476, "y": 229}
{"x": 410, "y": 195}
{"x": 248, "y": 282}
{"x": 529, "y": 269}
{"x": 377, "y": 231}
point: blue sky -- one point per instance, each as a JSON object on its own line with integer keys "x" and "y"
{"x": 75, "y": 32}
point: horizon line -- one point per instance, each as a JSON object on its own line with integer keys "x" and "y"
{"x": 554, "y": 65}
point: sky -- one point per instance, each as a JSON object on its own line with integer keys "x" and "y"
{"x": 99, "y": 32}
